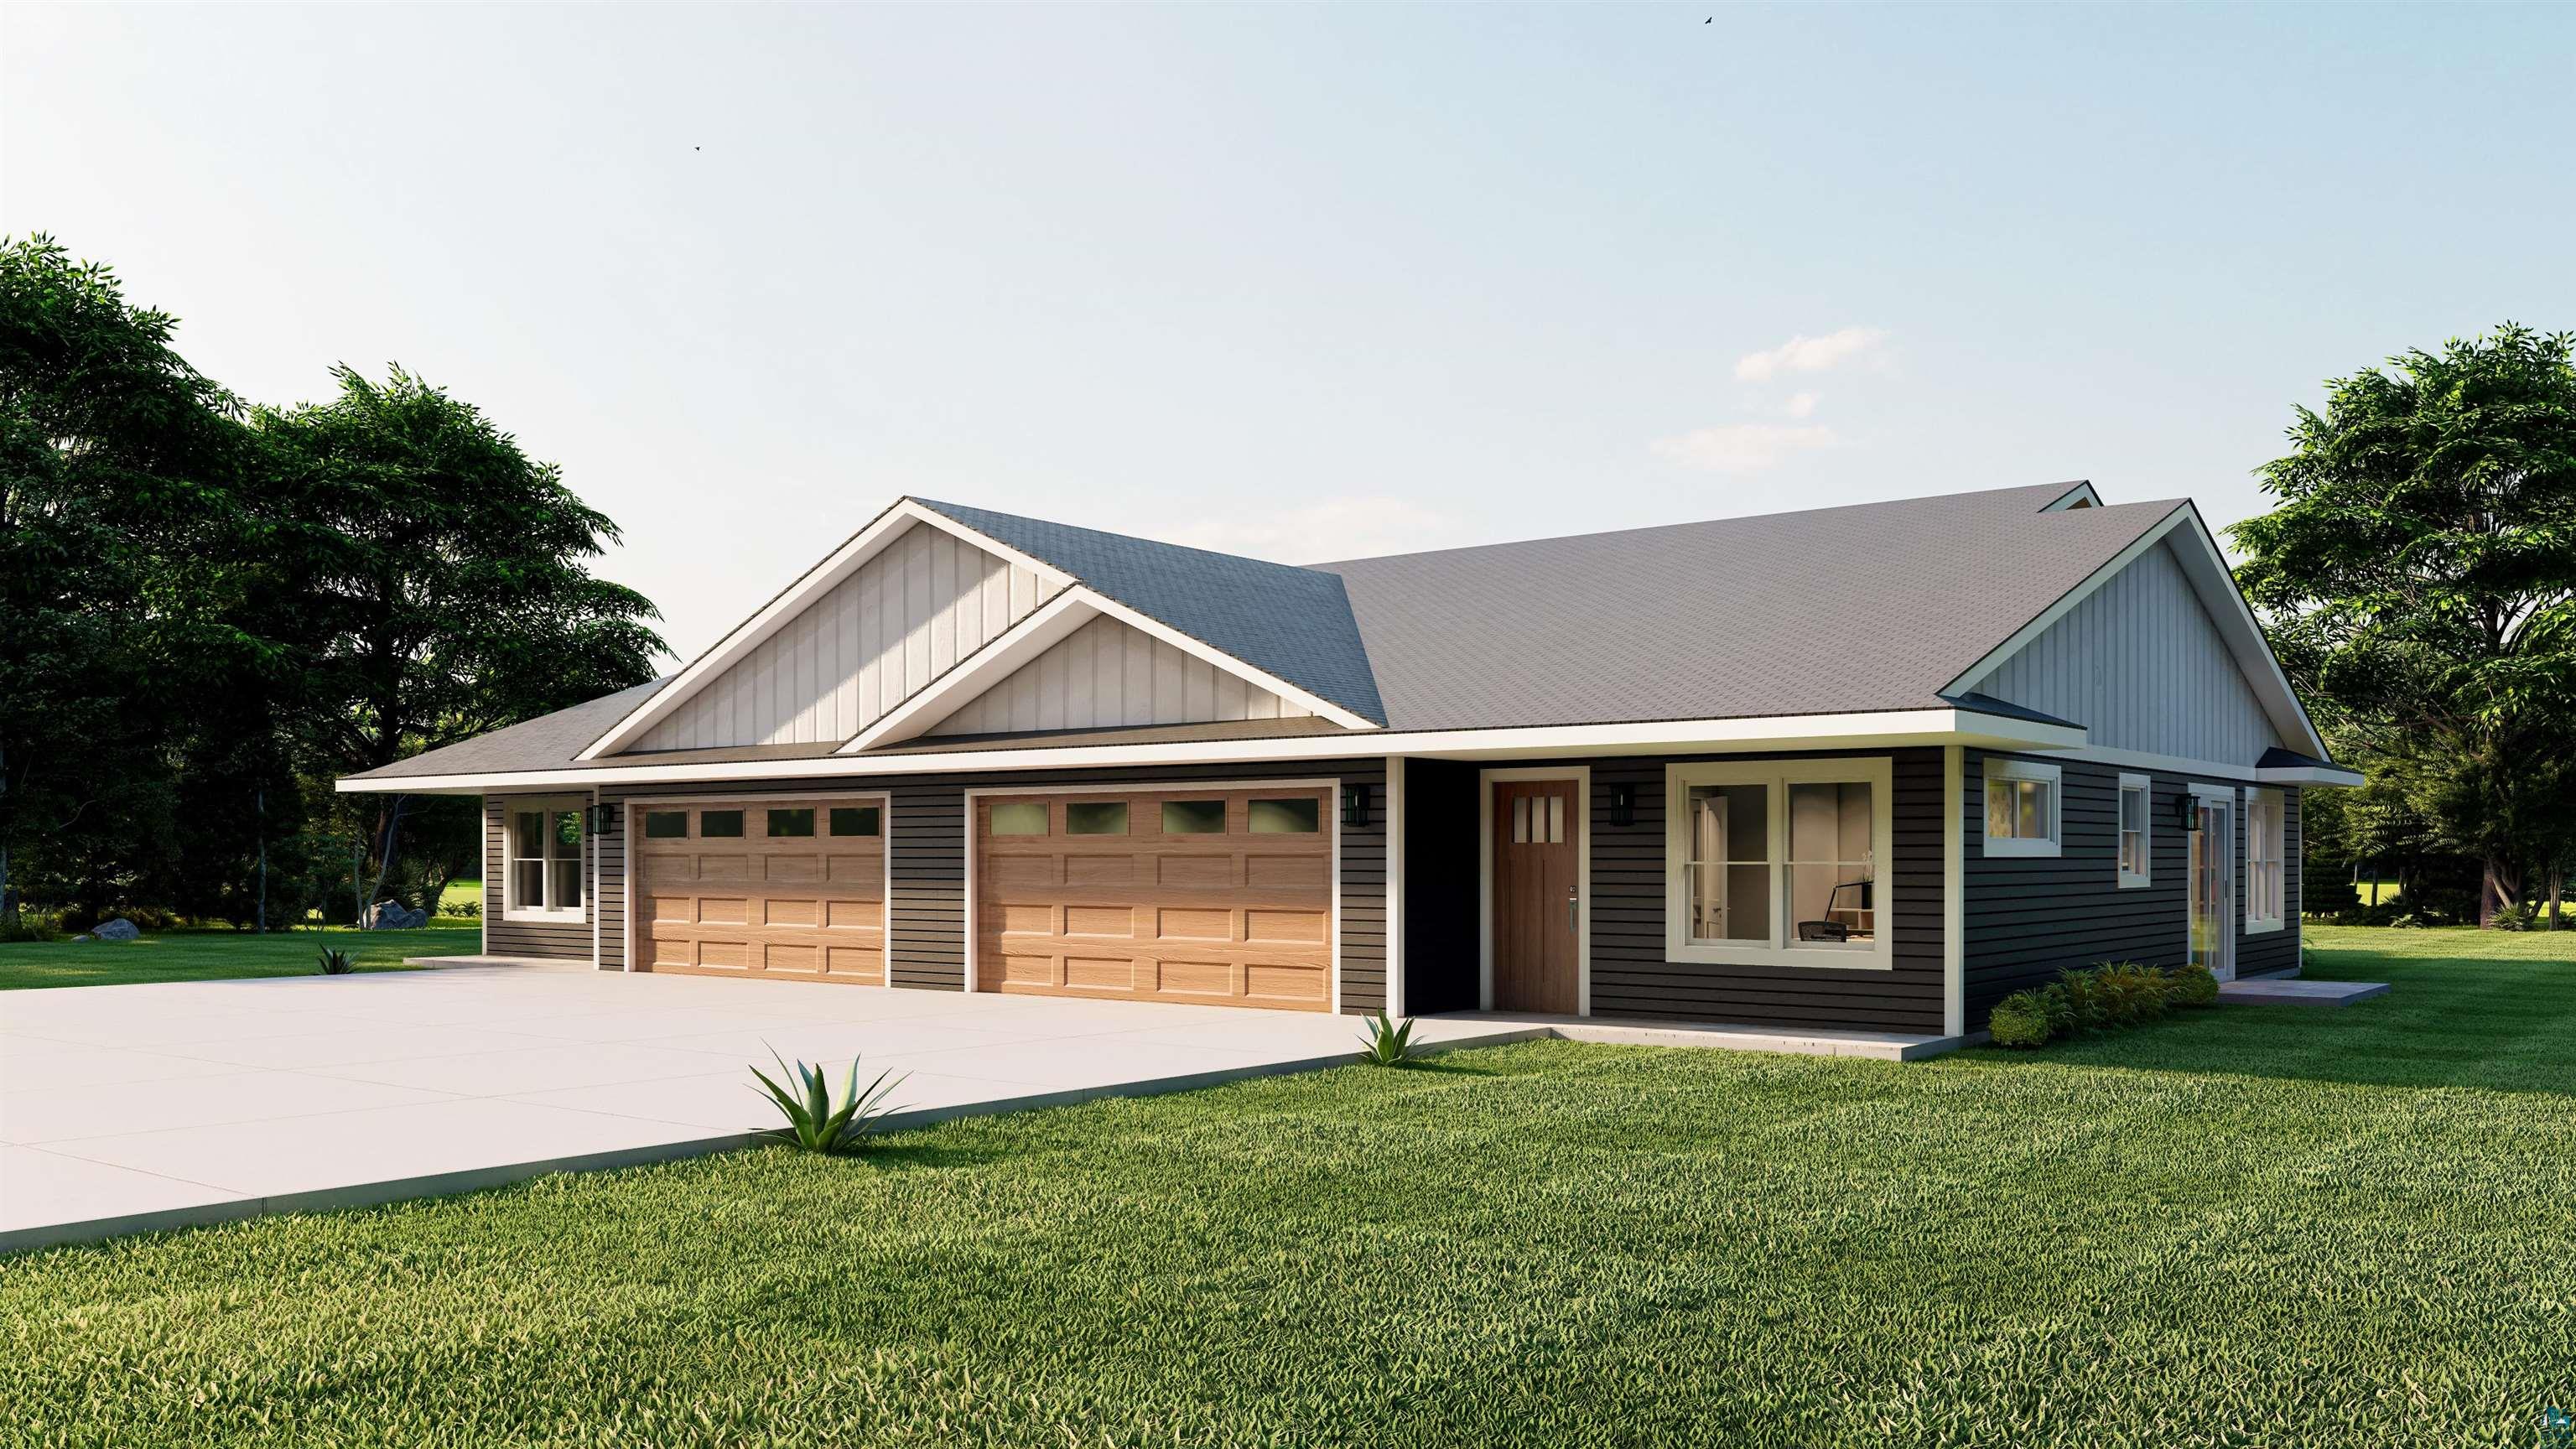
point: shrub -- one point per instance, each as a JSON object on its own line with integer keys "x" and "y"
{"x": 1387, "y": 1044}
{"x": 336, "y": 963}
{"x": 28, "y": 925}
{"x": 2190, "y": 986}
{"x": 2021, "y": 1020}
{"x": 815, "y": 1121}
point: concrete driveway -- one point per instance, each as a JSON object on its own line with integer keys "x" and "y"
{"x": 125, "y": 1108}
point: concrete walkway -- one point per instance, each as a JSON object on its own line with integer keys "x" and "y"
{"x": 2291, "y": 991}
{"x": 127, "y": 1108}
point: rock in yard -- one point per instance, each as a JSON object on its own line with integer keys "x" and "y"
{"x": 119, "y": 929}
{"x": 392, "y": 916}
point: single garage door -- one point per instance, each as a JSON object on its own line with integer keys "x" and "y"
{"x": 1217, "y": 896}
{"x": 764, "y": 887}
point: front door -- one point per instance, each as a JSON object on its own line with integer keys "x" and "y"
{"x": 1537, "y": 902}
{"x": 2213, "y": 887}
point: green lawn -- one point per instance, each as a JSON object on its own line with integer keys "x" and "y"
{"x": 2250, "y": 1226}
{"x": 216, "y": 955}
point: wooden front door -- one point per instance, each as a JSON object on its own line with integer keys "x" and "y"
{"x": 787, "y": 887}
{"x": 1537, "y": 926}
{"x": 1219, "y": 896}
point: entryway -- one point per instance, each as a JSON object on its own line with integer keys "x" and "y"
{"x": 1535, "y": 927}
{"x": 2213, "y": 885}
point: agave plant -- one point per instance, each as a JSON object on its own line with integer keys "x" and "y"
{"x": 816, "y": 1121}
{"x": 1387, "y": 1044}
{"x": 336, "y": 963}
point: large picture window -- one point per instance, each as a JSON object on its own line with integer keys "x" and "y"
{"x": 542, "y": 873}
{"x": 2264, "y": 831}
{"x": 1780, "y": 863}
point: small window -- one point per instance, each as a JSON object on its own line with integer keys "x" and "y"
{"x": 1095, "y": 817}
{"x": 791, "y": 822}
{"x": 2137, "y": 802}
{"x": 2021, "y": 808}
{"x": 2265, "y": 833}
{"x": 719, "y": 824}
{"x": 858, "y": 820}
{"x": 666, "y": 825}
{"x": 543, "y": 866}
{"x": 1020, "y": 817}
{"x": 1286, "y": 817}
{"x": 1194, "y": 817}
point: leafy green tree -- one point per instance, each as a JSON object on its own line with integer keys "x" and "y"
{"x": 2418, "y": 576}
{"x": 442, "y": 577}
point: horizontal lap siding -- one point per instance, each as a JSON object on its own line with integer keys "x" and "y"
{"x": 926, "y": 838}
{"x": 538, "y": 940}
{"x": 1631, "y": 975}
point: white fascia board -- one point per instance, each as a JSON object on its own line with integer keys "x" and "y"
{"x": 1890, "y": 729}
{"x": 1054, "y": 622}
{"x": 2311, "y": 775}
{"x": 2206, "y": 570}
{"x": 849, "y": 558}
{"x": 1227, "y": 662}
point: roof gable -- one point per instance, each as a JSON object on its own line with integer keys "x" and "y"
{"x": 1110, "y": 674}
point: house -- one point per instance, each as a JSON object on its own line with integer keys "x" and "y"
{"x": 1868, "y": 767}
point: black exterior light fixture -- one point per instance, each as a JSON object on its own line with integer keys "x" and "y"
{"x": 603, "y": 819}
{"x": 1355, "y": 802}
{"x": 2186, "y": 812}
{"x": 1623, "y": 804}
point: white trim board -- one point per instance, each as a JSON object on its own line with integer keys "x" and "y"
{"x": 1331, "y": 786}
{"x": 1767, "y": 734}
{"x": 815, "y": 582}
{"x": 1954, "y": 891}
{"x": 1581, "y": 775}
{"x": 1395, "y": 824}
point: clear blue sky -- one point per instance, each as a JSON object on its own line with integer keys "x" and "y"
{"x": 1309, "y": 282}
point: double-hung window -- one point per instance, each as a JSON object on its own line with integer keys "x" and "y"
{"x": 2264, "y": 832}
{"x": 2137, "y": 809}
{"x": 541, "y": 876}
{"x": 2021, "y": 807}
{"x": 1779, "y": 863}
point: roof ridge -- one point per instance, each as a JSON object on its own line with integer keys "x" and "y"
{"x": 951, "y": 510}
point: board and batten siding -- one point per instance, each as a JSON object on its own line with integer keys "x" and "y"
{"x": 534, "y": 940}
{"x": 927, "y": 600}
{"x": 2030, "y": 917}
{"x": 927, "y": 858}
{"x": 2140, "y": 664}
{"x": 1109, "y": 673}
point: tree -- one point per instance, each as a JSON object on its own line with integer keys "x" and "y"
{"x": 441, "y": 577}
{"x": 117, "y": 516}
{"x": 2418, "y": 577}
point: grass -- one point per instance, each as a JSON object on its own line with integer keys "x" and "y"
{"x": 2245, "y": 1226}
{"x": 221, "y": 955}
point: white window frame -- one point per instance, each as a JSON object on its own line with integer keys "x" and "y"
{"x": 1875, "y": 771}
{"x": 2263, "y": 816}
{"x": 512, "y": 908}
{"x": 2003, "y": 769}
{"x": 2146, "y": 786}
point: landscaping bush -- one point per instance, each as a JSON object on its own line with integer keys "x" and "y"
{"x": 2191, "y": 986}
{"x": 2098, "y": 998}
{"x": 2021, "y": 1020}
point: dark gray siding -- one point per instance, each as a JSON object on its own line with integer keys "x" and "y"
{"x": 549, "y": 940}
{"x": 926, "y": 834}
{"x": 1440, "y": 886}
{"x": 2028, "y": 919}
{"x": 1630, "y": 975}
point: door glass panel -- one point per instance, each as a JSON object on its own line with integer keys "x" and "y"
{"x": 1286, "y": 817}
{"x": 857, "y": 820}
{"x": 790, "y": 823}
{"x": 1095, "y": 817}
{"x": 1730, "y": 863}
{"x": 1020, "y": 817}
{"x": 1556, "y": 820}
{"x": 719, "y": 824}
{"x": 1520, "y": 820}
{"x": 1193, "y": 817}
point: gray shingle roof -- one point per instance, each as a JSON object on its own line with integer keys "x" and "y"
{"x": 1296, "y": 623}
{"x": 1864, "y": 608}
{"x": 1876, "y": 606}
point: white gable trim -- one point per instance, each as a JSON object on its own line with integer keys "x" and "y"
{"x": 2205, "y": 568}
{"x": 1049, "y": 626}
{"x": 817, "y": 581}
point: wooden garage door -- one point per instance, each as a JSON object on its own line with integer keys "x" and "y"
{"x": 1217, "y": 896}
{"x": 764, "y": 887}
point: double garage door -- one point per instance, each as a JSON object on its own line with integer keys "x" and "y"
{"x": 771, "y": 887}
{"x": 1217, "y": 896}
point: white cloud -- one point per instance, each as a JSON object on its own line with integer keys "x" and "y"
{"x": 1801, "y": 405}
{"x": 1744, "y": 447}
{"x": 1813, "y": 354}
{"x": 1319, "y": 532}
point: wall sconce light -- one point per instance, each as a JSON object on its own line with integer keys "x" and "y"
{"x": 1355, "y": 803}
{"x": 603, "y": 819}
{"x": 1623, "y": 804}
{"x": 2186, "y": 811}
